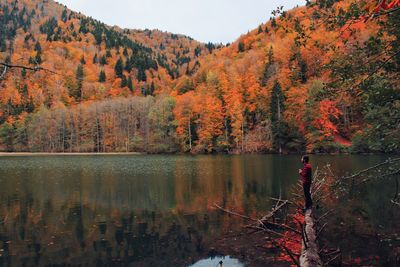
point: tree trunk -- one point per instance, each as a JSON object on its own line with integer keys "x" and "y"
{"x": 309, "y": 250}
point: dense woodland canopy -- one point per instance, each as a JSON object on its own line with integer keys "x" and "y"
{"x": 319, "y": 78}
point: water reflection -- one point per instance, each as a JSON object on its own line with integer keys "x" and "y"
{"x": 134, "y": 210}
{"x": 217, "y": 261}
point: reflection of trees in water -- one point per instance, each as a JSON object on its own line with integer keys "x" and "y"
{"x": 72, "y": 233}
{"x": 79, "y": 215}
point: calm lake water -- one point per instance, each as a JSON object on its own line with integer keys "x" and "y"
{"x": 137, "y": 210}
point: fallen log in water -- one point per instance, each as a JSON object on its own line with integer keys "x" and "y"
{"x": 309, "y": 256}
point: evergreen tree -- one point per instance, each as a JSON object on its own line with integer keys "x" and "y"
{"x": 268, "y": 69}
{"x": 128, "y": 65}
{"x": 241, "y": 47}
{"x": 24, "y": 90}
{"x": 102, "y": 76}
{"x": 273, "y": 23}
{"x": 38, "y": 47}
{"x": 279, "y": 127}
{"x": 77, "y": 91}
{"x": 130, "y": 84}
{"x": 64, "y": 16}
{"x": 141, "y": 76}
{"x": 125, "y": 52}
{"x": 260, "y": 30}
{"x": 123, "y": 81}
{"x": 95, "y": 59}
{"x": 119, "y": 68}
{"x": 30, "y": 106}
{"x": 152, "y": 88}
{"x": 103, "y": 60}
{"x": 303, "y": 70}
{"x": 38, "y": 58}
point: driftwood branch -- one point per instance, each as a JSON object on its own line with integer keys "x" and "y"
{"x": 273, "y": 211}
{"x": 235, "y": 213}
{"x": 371, "y": 168}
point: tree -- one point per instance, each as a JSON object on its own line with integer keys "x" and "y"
{"x": 268, "y": 68}
{"x": 102, "y": 76}
{"x": 38, "y": 47}
{"x": 260, "y": 30}
{"x": 184, "y": 116}
{"x": 162, "y": 122}
{"x": 241, "y": 47}
{"x": 119, "y": 68}
{"x": 103, "y": 60}
{"x": 79, "y": 75}
{"x": 129, "y": 83}
{"x": 276, "y": 108}
{"x": 64, "y": 16}
{"x": 210, "y": 122}
{"x": 123, "y": 81}
{"x": 95, "y": 59}
{"x": 37, "y": 60}
{"x": 7, "y": 132}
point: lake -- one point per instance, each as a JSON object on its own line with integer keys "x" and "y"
{"x": 138, "y": 210}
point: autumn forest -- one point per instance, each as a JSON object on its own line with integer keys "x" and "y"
{"x": 319, "y": 78}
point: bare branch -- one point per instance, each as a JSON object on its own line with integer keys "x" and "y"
{"x": 235, "y": 213}
{"x": 371, "y": 168}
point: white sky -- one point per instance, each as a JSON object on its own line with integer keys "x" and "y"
{"x": 204, "y": 20}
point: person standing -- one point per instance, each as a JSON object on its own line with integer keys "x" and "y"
{"x": 306, "y": 179}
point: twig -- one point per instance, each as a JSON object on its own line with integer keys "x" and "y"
{"x": 285, "y": 226}
{"x": 291, "y": 255}
{"x": 370, "y": 168}
{"x": 273, "y": 211}
{"x": 332, "y": 253}
{"x": 235, "y": 213}
{"x": 324, "y": 215}
{"x": 395, "y": 202}
{"x": 334, "y": 258}
{"x": 320, "y": 230}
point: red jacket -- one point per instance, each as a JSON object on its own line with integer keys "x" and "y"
{"x": 306, "y": 174}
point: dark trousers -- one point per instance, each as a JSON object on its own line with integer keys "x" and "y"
{"x": 307, "y": 195}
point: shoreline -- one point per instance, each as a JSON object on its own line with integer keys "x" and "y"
{"x": 21, "y": 154}
{"x": 16, "y": 154}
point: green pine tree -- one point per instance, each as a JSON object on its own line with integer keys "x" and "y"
{"x": 102, "y": 76}
{"x": 95, "y": 59}
{"x": 119, "y": 68}
{"x": 130, "y": 84}
{"x": 123, "y": 81}
{"x": 268, "y": 71}
{"x": 77, "y": 91}
{"x": 279, "y": 127}
{"x": 241, "y": 47}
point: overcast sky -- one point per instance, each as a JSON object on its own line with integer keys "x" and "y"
{"x": 204, "y": 20}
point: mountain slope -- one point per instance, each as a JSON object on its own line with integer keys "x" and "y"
{"x": 293, "y": 84}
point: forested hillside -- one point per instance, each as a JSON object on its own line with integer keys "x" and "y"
{"x": 319, "y": 78}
